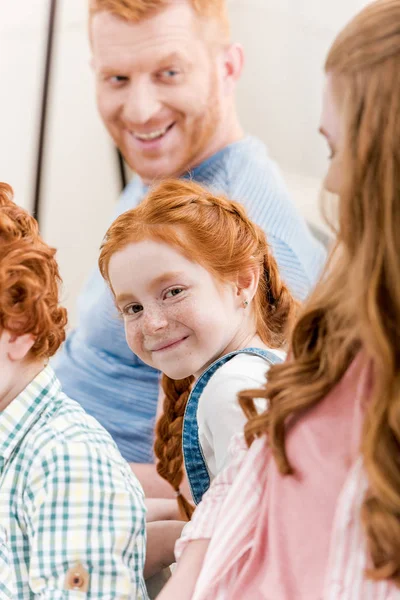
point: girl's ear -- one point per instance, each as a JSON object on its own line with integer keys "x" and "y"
{"x": 247, "y": 284}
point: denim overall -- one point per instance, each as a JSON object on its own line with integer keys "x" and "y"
{"x": 195, "y": 464}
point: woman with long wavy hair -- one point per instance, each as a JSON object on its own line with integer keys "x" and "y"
{"x": 314, "y": 511}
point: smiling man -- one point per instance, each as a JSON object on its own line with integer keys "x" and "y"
{"x": 164, "y": 85}
{"x": 166, "y": 72}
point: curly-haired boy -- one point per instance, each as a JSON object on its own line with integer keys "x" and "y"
{"x": 72, "y": 516}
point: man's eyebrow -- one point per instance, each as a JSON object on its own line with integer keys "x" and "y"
{"x": 174, "y": 57}
{"x": 108, "y": 71}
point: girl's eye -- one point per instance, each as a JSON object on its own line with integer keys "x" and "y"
{"x": 132, "y": 309}
{"x": 174, "y": 292}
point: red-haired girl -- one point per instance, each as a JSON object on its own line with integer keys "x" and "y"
{"x": 202, "y": 301}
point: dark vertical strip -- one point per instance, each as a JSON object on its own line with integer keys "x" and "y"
{"x": 43, "y": 114}
{"x": 122, "y": 172}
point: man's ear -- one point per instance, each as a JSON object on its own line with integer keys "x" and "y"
{"x": 247, "y": 284}
{"x": 18, "y": 346}
{"x": 233, "y": 61}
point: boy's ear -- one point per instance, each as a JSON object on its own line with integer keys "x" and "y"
{"x": 18, "y": 346}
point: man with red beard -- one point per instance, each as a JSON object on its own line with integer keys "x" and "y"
{"x": 166, "y": 72}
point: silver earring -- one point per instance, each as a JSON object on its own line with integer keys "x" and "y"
{"x": 245, "y": 303}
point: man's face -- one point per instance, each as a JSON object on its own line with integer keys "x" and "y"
{"x": 159, "y": 89}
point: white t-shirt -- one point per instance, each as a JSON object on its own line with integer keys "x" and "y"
{"x": 219, "y": 415}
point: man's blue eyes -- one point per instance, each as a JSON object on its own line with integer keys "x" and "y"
{"x": 118, "y": 78}
{"x": 167, "y": 73}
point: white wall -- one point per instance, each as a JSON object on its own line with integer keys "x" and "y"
{"x": 22, "y": 25}
{"x": 286, "y": 42}
{"x": 279, "y": 100}
{"x": 81, "y": 180}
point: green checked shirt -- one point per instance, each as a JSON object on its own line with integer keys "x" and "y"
{"x": 67, "y": 497}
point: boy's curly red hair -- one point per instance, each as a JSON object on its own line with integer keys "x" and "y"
{"x": 29, "y": 280}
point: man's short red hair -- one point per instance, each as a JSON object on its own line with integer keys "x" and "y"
{"x": 29, "y": 280}
{"x": 135, "y": 10}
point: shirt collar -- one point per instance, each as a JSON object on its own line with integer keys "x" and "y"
{"x": 21, "y": 414}
{"x": 207, "y": 164}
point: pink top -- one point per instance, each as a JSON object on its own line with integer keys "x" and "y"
{"x": 294, "y": 537}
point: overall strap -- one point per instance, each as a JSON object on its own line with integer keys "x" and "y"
{"x": 195, "y": 464}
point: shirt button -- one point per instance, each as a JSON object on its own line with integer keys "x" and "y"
{"x": 77, "y": 578}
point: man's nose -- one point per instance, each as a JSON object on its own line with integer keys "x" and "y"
{"x": 141, "y": 103}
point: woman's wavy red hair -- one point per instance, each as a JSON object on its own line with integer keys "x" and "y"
{"x": 357, "y": 304}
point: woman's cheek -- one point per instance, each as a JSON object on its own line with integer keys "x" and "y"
{"x": 334, "y": 177}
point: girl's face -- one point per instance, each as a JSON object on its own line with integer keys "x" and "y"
{"x": 331, "y": 130}
{"x": 178, "y": 318}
